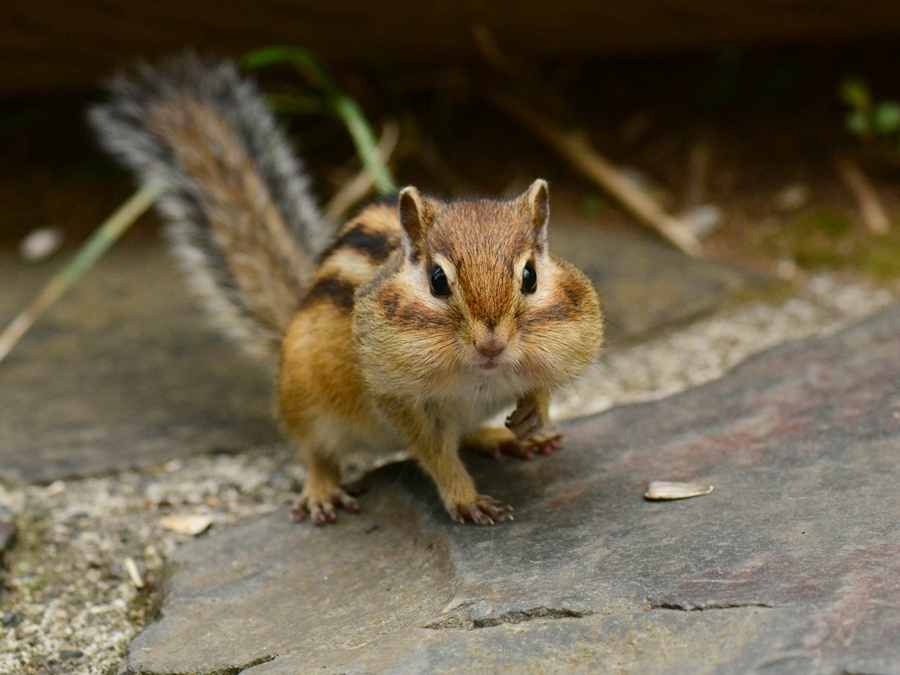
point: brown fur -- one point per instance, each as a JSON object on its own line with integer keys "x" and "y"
{"x": 237, "y": 202}
{"x": 397, "y": 364}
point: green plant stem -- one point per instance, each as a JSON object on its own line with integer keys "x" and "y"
{"x": 90, "y": 252}
{"x": 345, "y": 107}
{"x": 365, "y": 142}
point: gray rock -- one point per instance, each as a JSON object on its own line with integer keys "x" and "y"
{"x": 70, "y": 654}
{"x": 645, "y": 284}
{"x": 124, "y": 372}
{"x": 11, "y": 619}
{"x": 790, "y": 566}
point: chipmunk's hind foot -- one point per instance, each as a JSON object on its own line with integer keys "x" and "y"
{"x": 483, "y": 511}
{"x": 493, "y": 442}
{"x": 496, "y": 442}
{"x": 323, "y": 511}
{"x": 323, "y": 494}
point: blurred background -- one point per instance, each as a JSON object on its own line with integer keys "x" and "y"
{"x": 771, "y": 128}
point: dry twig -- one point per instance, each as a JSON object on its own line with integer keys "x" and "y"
{"x": 870, "y": 206}
{"x": 491, "y": 51}
{"x": 697, "y": 175}
{"x": 577, "y": 151}
{"x": 104, "y": 237}
{"x": 356, "y": 189}
{"x": 573, "y": 144}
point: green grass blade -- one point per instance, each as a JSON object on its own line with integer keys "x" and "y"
{"x": 346, "y": 108}
{"x": 89, "y": 253}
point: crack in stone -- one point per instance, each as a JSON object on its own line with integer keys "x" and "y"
{"x": 251, "y": 664}
{"x": 687, "y": 607}
{"x": 231, "y": 670}
{"x": 464, "y": 621}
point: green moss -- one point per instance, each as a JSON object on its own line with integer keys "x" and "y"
{"x": 590, "y": 206}
{"x": 828, "y": 239}
{"x": 881, "y": 257}
{"x": 29, "y": 555}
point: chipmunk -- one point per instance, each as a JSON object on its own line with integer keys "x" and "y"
{"x": 413, "y": 324}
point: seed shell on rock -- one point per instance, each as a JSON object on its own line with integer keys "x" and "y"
{"x": 192, "y": 525}
{"x": 662, "y": 490}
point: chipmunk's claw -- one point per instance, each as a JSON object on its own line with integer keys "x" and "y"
{"x": 483, "y": 511}
{"x": 323, "y": 511}
{"x": 547, "y": 441}
{"x": 356, "y": 488}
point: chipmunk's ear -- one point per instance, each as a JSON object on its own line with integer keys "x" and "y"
{"x": 535, "y": 203}
{"x": 416, "y": 214}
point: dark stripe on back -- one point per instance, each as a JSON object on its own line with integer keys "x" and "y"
{"x": 331, "y": 289}
{"x": 374, "y": 244}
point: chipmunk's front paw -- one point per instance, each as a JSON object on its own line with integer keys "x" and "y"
{"x": 526, "y": 420}
{"x": 483, "y": 510}
{"x": 322, "y": 509}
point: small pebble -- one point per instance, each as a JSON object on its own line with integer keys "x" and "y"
{"x": 8, "y": 534}
{"x": 67, "y": 654}
{"x": 702, "y": 220}
{"x": 11, "y": 619}
{"x": 116, "y": 571}
{"x": 792, "y": 197}
{"x": 41, "y": 244}
{"x": 173, "y": 465}
{"x": 55, "y": 488}
{"x": 787, "y": 269}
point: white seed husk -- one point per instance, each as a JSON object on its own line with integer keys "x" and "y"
{"x": 133, "y": 572}
{"x": 661, "y": 490}
{"x": 192, "y": 525}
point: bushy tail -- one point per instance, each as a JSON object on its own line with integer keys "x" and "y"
{"x": 242, "y": 219}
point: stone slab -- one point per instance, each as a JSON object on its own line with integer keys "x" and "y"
{"x": 645, "y": 284}
{"x": 792, "y": 564}
{"x": 126, "y": 371}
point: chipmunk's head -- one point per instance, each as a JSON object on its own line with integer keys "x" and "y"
{"x": 481, "y": 298}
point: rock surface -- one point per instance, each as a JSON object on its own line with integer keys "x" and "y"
{"x": 645, "y": 284}
{"x": 126, "y": 370}
{"x": 790, "y": 566}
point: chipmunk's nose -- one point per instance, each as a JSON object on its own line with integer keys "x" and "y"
{"x": 490, "y": 345}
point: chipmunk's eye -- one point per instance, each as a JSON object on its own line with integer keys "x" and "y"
{"x": 439, "y": 285}
{"x": 529, "y": 278}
